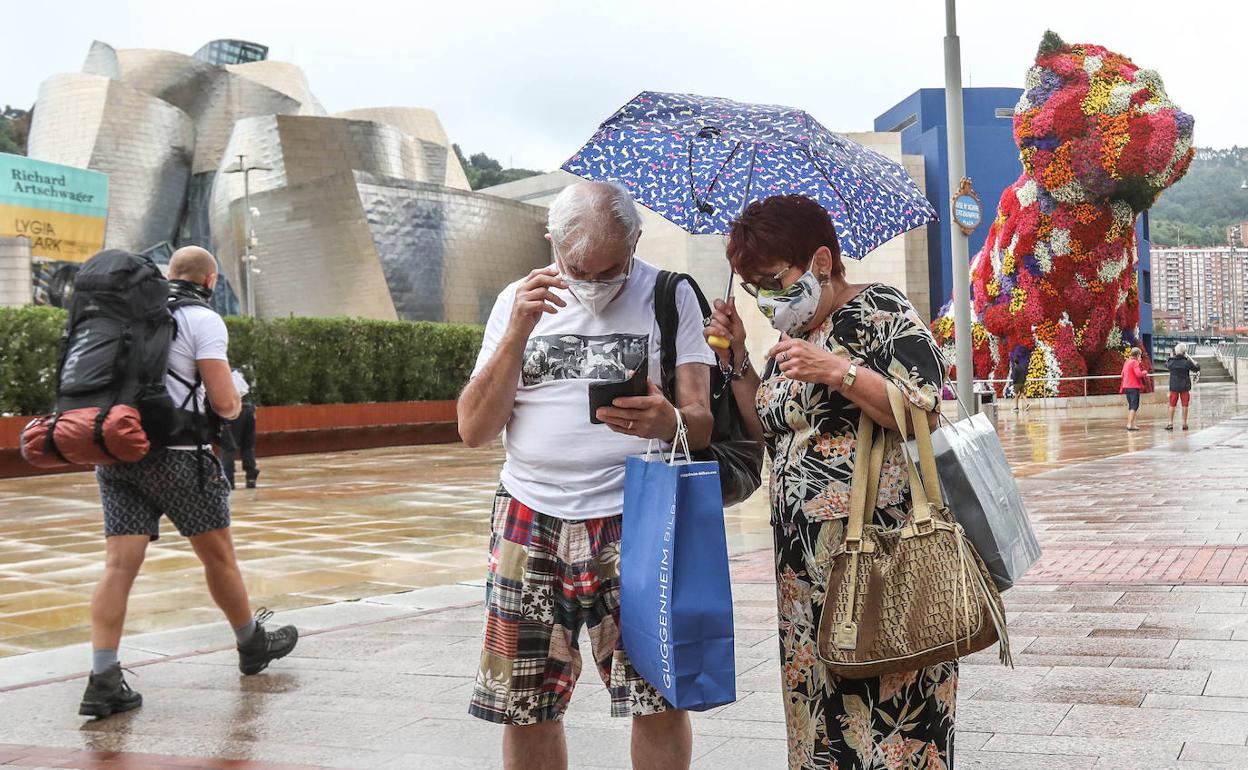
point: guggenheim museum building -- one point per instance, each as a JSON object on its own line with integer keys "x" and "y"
{"x": 363, "y": 213}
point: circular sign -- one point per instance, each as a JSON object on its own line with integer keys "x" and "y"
{"x": 967, "y": 210}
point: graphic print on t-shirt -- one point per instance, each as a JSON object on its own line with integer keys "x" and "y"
{"x": 578, "y": 357}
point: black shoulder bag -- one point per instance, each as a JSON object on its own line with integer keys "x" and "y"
{"x": 740, "y": 458}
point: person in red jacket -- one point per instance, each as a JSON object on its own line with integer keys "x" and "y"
{"x": 1134, "y": 380}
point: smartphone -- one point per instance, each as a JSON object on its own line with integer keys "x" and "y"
{"x": 604, "y": 392}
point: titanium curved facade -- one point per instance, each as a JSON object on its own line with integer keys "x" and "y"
{"x": 365, "y": 213}
{"x": 214, "y": 97}
{"x": 438, "y": 154}
{"x": 143, "y": 143}
{"x": 102, "y": 60}
{"x": 284, "y": 78}
{"x": 346, "y": 197}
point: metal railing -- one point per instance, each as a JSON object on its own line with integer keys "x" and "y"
{"x": 1057, "y": 380}
{"x": 1229, "y": 353}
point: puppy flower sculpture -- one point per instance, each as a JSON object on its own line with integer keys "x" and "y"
{"x": 1055, "y": 284}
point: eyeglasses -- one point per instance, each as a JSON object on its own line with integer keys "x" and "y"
{"x": 766, "y": 284}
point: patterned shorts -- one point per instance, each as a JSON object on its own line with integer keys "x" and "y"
{"x": 165, "y": 483}
{"x": 548, "y": 578}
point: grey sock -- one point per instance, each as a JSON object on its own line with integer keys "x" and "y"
{"x": 244, "y": 632}
{"x": 103, "y": 660}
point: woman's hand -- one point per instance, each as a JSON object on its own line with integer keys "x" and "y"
{"x": 800, "y": 360}
{"x": 726, "y": 323}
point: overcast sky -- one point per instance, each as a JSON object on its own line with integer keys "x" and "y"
{"x": 527, "y": 82}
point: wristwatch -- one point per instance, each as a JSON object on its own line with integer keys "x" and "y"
{"x": 851, "y": 374}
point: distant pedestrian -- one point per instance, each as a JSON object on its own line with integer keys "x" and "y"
{"x": 238, "y": 436}
{"x": 1181, "y": 367}
{"x": 1134, "y": 380}
{"x": 1018, "y": 376}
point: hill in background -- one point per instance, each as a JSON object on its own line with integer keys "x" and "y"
{"x": 1197, "y": 210}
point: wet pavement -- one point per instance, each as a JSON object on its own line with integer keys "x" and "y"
{"x": 1130, "y": 637}
{"x": 350, "y": 525}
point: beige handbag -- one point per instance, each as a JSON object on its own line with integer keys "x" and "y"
{"x": 903, "y": 599}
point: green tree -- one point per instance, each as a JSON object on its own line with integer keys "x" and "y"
{"x": 484, "y": 171}
{"x": 14, "y": 128}
{"x": 1198, "y": 209}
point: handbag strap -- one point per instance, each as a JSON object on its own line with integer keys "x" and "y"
{"x": 860, "y": 481}
{"x": 924, "y": 481}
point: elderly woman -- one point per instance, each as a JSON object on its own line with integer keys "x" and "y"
{"x": 1181, "y": 367}
{"x": 1134, "y": 381}
{"x": 840, "y": 344}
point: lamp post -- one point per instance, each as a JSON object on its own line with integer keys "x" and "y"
{"x": 246, "y": 259}
{"x": 960, "y": 249}
{"x": 1236, "y": 239}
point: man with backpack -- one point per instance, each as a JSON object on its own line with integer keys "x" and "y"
{"x": 178, "y": 478}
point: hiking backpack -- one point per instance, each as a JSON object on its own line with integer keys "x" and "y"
{"x": 112, "y": 405}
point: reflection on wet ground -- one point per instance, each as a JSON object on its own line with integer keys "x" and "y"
{"x": 350, "y": 525}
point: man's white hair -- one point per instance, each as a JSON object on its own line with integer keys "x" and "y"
{"x": 1180, "y": 349}
{"x": 588, "y": 213}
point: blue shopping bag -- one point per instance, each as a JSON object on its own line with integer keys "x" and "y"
{"x": 675, "y": 593}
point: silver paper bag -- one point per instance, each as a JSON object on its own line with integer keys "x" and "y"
{"x": 983, "y": 496}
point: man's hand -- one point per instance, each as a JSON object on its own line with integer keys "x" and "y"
{"x": 651, "y": 416}
{"x": 533, "y": 298}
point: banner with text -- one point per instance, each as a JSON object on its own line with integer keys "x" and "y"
{"x": 61, "y": 209}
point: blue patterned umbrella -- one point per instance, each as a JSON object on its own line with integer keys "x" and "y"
{"x": 698, "y": 160}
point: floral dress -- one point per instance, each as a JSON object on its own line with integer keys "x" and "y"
{"x": 896, "y": 722}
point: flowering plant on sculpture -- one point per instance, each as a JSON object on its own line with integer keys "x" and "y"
{"x": 1099, "y": 141}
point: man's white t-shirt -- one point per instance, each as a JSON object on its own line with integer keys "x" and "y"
{"x": 558, "y": 462}
{"x": 201, "y": 336}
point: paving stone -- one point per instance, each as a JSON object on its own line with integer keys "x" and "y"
{"x": 1115, "y": 679}
{"x": 1227, "y": 682}
{"x": 745, "y": 754}
{"x": 1211, "y": 649}
{"x": 1107, "y": 646}
{"x": 1195, "y": 702}
{"x": 1143, "y": 751}
{"x": 997, "y": 760}
{"x": 996, "y": 716}
{"x": 1143, "y": 724}
{"x": 1236, "y": 756}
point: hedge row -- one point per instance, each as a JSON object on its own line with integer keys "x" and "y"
{"x": 287, "y": 360}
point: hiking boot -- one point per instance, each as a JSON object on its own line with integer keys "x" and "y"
{"x": 108, "y": 694}
{"x": 265, "y": 646}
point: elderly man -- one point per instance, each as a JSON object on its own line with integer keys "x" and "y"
{"x": 554, "y": 562}
{"x": 183, "y": 482}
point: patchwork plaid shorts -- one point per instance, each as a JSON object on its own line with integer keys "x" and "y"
{"x": 548, "y": 578}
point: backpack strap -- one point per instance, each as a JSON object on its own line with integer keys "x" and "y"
{"x": 98, "y": 433}
{"x": 667, "y": 315}
{"x": 49, "y": 442}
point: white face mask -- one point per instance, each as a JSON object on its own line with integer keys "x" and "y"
{"x": 792, "y": 309}
{"x": 596, "y": 295}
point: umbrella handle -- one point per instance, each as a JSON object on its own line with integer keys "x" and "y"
{"x": 716, "y": 341}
